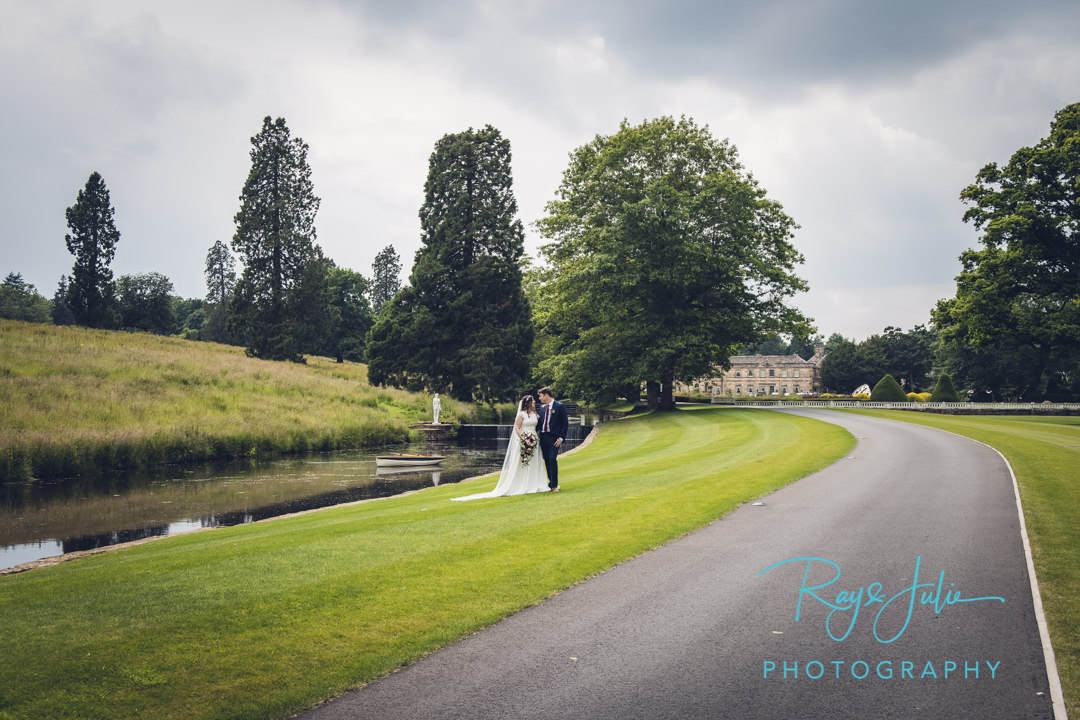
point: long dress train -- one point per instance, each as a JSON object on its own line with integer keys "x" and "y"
{"x": 515, "y": 478}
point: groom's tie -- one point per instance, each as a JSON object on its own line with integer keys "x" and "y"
{"x": 547, "y": 418}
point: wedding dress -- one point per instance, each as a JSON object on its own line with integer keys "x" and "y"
{"x": 517, "y": 478}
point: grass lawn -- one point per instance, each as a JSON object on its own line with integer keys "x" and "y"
{"x": 74, "y": 400}
{"x": 262, "y": 620}
{"x": 1045, "y": 455}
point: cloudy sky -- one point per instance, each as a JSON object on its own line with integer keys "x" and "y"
{"x": 864, "y": 119}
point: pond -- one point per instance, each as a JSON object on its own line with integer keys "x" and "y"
{"x": 42, "y": 519}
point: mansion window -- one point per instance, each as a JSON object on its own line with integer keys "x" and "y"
{"x": 796, "y": 375}
{"x": 772, "y": 373}
{"x": 783, "y": 373}
{"x": 738, "y": 373}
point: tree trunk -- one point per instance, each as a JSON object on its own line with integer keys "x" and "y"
{"x": 667, "y": 385}
{"x": 652, "y": 394}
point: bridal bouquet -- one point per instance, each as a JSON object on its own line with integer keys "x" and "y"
{"x": 527, "y": 446}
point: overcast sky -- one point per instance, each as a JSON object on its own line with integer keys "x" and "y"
{"x": 864, "y": 119}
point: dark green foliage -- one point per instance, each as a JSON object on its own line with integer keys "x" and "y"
{"x": 190, "y": 317}
{"x": 351, "y": 315}
{"x": 19, "y": 300}
{"x": 92, "y": 241}
{"x": 1014, "y": 325}
{"x": 385, "y": 278}
{"x": 61, "y": 313}
{"x": 944, "y": 390}
{"x": 905, "y": 355}
{"x": 666, "y": 256}
{"x": 220, "y": 281}
{"x": 888, "y": 390}
{"x": 845, "y": 368}
{"x": 220, "y": 274}
{"x": 463, "y": 325}
{"x": 279, "y": 305}
{"x": 145, "y": 303}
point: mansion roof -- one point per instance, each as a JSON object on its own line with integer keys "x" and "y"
{"x": 773, "y": 360}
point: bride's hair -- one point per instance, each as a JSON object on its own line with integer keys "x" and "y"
{"x": 527, "y": 404}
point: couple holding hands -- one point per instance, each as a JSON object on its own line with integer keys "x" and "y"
{"x": 537, "y": 431}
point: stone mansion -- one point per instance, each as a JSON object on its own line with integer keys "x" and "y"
{"x": 758, "y": 375}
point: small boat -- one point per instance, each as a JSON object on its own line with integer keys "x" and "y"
{"x": 401, "y": 460}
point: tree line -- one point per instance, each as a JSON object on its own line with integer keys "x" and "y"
{"x": 664, "y": 258}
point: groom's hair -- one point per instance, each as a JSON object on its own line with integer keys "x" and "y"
{"x": 544, "y": 391}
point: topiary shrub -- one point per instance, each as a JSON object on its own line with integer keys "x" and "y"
{"x": 944, "y": 390}
{"x": 888, "y": 390}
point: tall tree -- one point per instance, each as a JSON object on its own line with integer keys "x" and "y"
{"x": 352, "y": 316}
{"x": 279, "y": 305}
{"x": 463, "y": 325}
{"x": 61, "y": 313}
{"x": 145, "y": 302}
{"x": 92, "y": 241}
{"x": 220, "y": 281}
{"x": 385, "y": 277}
{"x": 220, "y": 273}
{"x": 666, "y": 257}
{"x": 1020, "y": 290}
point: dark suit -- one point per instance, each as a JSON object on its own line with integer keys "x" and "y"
{"x": 550, "y": 431}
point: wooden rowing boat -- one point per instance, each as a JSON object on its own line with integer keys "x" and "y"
{"x": 403, "y": 460}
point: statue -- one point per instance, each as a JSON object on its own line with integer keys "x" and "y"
{"x": 436, "y": 405}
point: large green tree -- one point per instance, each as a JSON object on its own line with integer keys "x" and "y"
{"x": 145, "y": 302}
{"x": 279, "y": 305}
{"x": 666, "y": 256}
{"x": 385, "y": 278}
{"x": 1020, "y": 293}
{"x": 92, "y": 241}
{"x": 351, "y": 315}
{"x": 19, "y": 300}
{"x": 220, "y": 281}
{"x": 463, "y": 325}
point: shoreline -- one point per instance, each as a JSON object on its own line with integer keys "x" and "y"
{"x": 78, "y": 554}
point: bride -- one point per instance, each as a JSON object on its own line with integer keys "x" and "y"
{"x": 522, "y": 471}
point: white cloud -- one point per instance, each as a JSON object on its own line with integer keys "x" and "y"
{"x": 864, "y": 122}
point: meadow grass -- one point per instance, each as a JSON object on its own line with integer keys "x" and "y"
{"x": 261, "y": 620}
{"x": 1045, "y": 456}
{"x": 74, "y": 400}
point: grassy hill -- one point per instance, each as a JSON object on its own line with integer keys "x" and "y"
{"x": 74, "y": 400}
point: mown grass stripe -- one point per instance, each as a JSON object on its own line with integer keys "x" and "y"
{"x": 264, "y": 619}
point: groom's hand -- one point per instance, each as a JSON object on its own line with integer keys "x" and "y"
{"x": 558, "y": 442}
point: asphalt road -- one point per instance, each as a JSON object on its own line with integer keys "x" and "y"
{"x": 696, "y": 629}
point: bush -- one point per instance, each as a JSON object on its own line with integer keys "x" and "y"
{"x": 916, "y": 397}
{"x": 888, "y": 390}
{"x": 944, "y": 390}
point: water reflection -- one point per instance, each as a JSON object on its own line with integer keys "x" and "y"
{"x": 45, "y": 518}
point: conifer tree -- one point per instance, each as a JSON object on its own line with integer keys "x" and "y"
{"x": 888, "y": 390}
{"x": 279, "y": 305}
{"x": 463, "y": 325}
{"x": 944, "y": 391}
{"x": 92, "y": 241}
{"x": 385, "y": 277}
{"x": 220, "y": 281}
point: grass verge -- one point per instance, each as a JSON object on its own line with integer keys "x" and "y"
{"x": 74, "y": 400}
{"x": 1044, "y": 453}
{"x": 261, "y": 620}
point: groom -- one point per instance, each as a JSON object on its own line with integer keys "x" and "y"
{"x": 552, "y": 424}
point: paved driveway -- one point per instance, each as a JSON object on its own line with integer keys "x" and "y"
{"x": 702, "y": 628}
